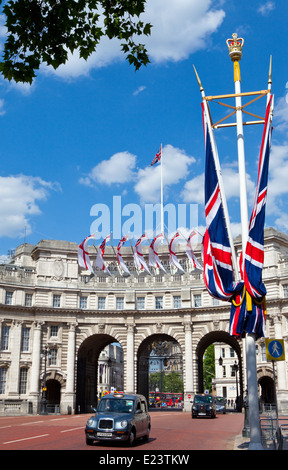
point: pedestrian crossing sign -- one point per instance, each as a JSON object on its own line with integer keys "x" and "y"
{"x": 275, "y": 350}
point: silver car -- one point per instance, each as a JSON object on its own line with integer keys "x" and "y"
{"x": 119, "y": 417}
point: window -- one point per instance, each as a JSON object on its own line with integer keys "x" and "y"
{"x": 5, "y": 337}
{"x": 158, "y": 278}
{"x": 232, "y": 352}
{"x": 54, "y": 331}
{"x": 197, "y": 300}
{"x": 25, "y": 337}
{"x": 23, "y": 380}
{"x": 101, "y": 303}
{"x": 53, "y": 357}
{"x": 158, "y": 302}
{"x": 8, "y": 298}
{"x": 140, "y": 303}
{"x": 28, "y": 300}
{"x": 119, "y": 303}
{"x": 3, "y": 375}
{"x": 177, "y": 301}
{"x": 83, "y": 302}
{"x": 56, "y": 300}
{"x": 285, "y": 290}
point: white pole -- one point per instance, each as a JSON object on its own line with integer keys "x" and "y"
{"x": 162, "y": 210}
{"x": 235, "y": 49}
{"x": 219, "y": 177}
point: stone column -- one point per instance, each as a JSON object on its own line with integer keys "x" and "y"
{"x": 15, "y": 359}
{"x": 130, "y": 375}
{"x": 189, "y": 386}
{"x": 68, "y": 401}
{"x": 282, "y": 394}
{"x": 36, "y": 351}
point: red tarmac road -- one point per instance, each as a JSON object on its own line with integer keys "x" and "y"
{"x": 170, "y": 431}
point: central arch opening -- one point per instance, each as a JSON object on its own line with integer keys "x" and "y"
{"x": 219, "y": 339}
{"x": 99, "y": 370}
{"x": 160, "y": 372}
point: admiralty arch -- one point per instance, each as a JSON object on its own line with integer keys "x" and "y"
{"x": 47, "y": 303}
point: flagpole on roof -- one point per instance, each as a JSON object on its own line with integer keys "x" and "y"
{"x": 219, "y": 176}
{"x": 235, "y": 46}
{"x": 162, "y": 209}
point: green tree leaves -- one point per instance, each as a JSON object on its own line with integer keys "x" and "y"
{"x": 46, "y": 30}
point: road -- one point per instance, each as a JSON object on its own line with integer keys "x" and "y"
{"x": 170, "y": 431}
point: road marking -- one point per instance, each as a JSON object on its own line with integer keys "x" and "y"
{"x": 31, "y": 422}
{"x": 26, "y": 439}
{"x": 73, "y": 429}
{"x": 4, "y": 427}
{"x": 57, "y": 419}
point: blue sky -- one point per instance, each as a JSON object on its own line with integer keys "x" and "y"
{"x": 86, "y": 133}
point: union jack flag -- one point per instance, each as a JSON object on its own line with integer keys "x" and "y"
{"x": 157, "y": 157}
{"x": 217, "y": 255}
{"x": 254, "y": 252}
{"x": 248, "y": 313}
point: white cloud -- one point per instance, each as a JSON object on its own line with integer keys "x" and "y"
{"x": 19, "y": 196}
{"x": 118, "y": 169}
{"x": 194, "y": 189}
{"x": 180, "y": 27}
{"x": 175, "y": 168}
{"x": 281, "y": 113}
{"x": 266, "y": 8}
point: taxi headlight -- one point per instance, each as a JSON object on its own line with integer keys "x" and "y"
{"x": 121, "y": 424}
{"x": 90, "y": 422}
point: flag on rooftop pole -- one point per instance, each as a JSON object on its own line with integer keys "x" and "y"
{"x": 190, "y": 252}
{"x": 83, "y": 255}
{"x": 158, "y": 158}
{"x": 154, "y": 259}
{"x": 100, "y": 263}
{"x": 119, "y": 255}
{"x": 139, "y": 260}
{"x": 173, "y": 257}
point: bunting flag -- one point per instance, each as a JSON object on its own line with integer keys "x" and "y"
{"x": 217, "y": 254}
{"x": 119, "y": 256}
{"x": 100, "y": 255}
{"x": 173, "y": 257}
{"x": 83, "y": 256}
{"x": 190, "y": 253}
{"x": 154, "y": 259}
{"x": 157, "y": 157}
{"x": 138, "y": 255}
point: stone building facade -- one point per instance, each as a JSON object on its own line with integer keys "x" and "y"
{"x": 47, "y": 301}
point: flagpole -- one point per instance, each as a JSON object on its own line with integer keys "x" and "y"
{"x": 162, "y": 211}
{"x": 235, "y": 51}
{"x": 219, "y": 176}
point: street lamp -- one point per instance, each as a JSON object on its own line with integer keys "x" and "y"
{"x": 235, "y": 368}
{"x": 44, "y": 353}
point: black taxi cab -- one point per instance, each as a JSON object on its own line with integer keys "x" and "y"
{"x": 203, "y": 405}
{"x": 119, "y": 417}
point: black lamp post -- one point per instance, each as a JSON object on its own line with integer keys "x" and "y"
{"x": 235, "y": 368}
{"x": 44, "y": 353}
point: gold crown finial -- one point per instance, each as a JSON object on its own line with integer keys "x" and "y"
{"x": 235, "y": 46}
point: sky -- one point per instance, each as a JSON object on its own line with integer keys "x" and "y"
{"x": 76, "y": 147}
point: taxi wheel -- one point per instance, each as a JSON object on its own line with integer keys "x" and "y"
{"x": 89, "y": 442}
{"x": 131, "y": 439}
